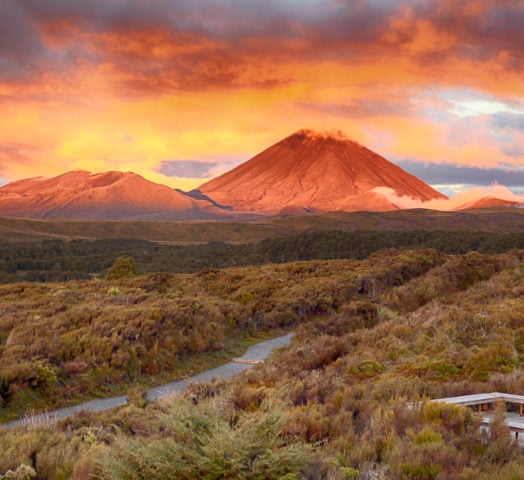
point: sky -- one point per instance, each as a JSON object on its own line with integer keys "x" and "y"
{"x": 181, "y": 91}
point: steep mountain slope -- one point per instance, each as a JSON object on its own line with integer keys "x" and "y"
{"x": 310, "y": 171}
{"x": 80, "y": 195}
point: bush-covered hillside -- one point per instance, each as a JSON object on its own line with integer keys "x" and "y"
{"x": 372, "y": 339}
{"x": 65, "y": 341}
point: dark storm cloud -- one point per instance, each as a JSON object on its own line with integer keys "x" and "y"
{"x": 20, "y": 46}
{"x": 444, "y": 174}
{"x": 483, "y": 28}
{"x": 502, "y": 28}
{"x": 150, "y": 42}
{"x": 230, "y": 19}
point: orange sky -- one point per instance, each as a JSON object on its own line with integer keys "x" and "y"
{"x": 154, "y": 86}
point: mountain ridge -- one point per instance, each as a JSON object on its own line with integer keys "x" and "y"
{"x": 113, "y": 195}
{"x": 307, "y": 172}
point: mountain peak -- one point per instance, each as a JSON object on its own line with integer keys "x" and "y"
{"x": 315, "y": 135}
{"x": 315, "y": 171}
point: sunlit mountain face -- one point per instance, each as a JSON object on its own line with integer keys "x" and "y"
{"x": 80, "y": 195}
{"x": 315, "y": 171}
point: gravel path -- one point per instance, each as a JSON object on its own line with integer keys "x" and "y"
{"x": 259, "y": 351}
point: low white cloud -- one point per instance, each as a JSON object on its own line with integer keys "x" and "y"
{"x": 456, "y": 202}
{"x": 469, "y": 108}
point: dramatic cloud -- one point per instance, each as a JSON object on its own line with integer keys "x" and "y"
{"x": 132, "y": 84}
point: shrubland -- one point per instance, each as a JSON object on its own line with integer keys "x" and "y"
{"x": 61, "y": 342}
{"x": 374, "y": 340}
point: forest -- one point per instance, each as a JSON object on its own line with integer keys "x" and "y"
{"x": 59, "y": 260}
{"x": 374, "y": 339}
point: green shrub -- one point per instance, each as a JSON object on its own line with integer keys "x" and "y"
{"x": 421, "y": 472}
{"x": 348, "y": 473}
{"x": 114, "y": 291}
{"x": 426, "y": 436}
{"x": 367, "y": 369}
{"x": 124, "y": 267}
{"x": 205, "y": 443}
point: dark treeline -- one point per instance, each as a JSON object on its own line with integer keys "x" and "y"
{"x": 57, "y": 260}
{"x": 359, "y": 245}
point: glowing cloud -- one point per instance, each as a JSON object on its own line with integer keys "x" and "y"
{"x": 128, "y": 85}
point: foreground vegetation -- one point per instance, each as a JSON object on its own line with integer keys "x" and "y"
{"x": 373, "y": 338}
{"x": 61, "y": 342}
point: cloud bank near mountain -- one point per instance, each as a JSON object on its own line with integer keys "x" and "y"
{"x": 458, "y": 201}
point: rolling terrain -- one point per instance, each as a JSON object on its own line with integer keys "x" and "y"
{"x": 500, "y": 219}
{"x": 372, "y": 339}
